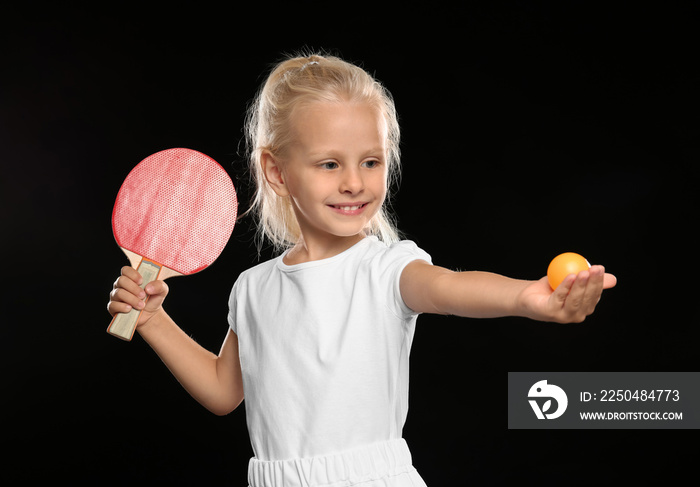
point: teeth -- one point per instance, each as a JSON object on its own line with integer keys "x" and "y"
{"x": 349, "y": 208}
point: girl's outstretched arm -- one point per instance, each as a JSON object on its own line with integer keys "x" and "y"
{"x": 213, "y": 380}
{"x": 431, "y": 289}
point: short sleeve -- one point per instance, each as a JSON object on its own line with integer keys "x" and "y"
{"x": 388, "y": 268}
{"x": 232, "y": 307}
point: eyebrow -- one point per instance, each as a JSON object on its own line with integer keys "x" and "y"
{"x": 334, "y": 154}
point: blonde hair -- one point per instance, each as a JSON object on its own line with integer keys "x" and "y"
{"x": 291, "y": 83}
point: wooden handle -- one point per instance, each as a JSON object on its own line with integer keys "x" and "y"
{"x": 124, "y": 324}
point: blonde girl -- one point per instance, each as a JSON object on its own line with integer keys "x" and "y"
{"x": 319, "y": 337}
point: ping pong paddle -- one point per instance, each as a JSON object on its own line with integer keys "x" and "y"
{"x": 173, "y": 216}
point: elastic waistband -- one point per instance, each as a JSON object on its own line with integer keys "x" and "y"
{"x": 342, "y": 469}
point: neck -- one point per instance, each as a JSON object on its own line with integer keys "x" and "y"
{"x": 309, "y": 251}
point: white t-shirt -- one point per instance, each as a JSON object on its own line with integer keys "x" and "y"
{"x": 324, "y": 349}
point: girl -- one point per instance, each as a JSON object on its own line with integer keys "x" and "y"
{"x": 319, "y": 337}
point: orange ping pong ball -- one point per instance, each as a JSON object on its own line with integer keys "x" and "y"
{"x": 563, "y": 265}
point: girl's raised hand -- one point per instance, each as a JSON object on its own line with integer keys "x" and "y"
{"x": 127, "y": 294}
{"x": 573, "y": 300}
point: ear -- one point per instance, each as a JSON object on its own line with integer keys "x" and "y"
{"x": 273, "y": 173}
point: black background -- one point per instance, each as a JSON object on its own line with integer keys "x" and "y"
{"x": 529, "y": 129}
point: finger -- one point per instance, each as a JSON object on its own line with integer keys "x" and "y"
{"x": 156, "y": 291}
{"x": 130, "y": 286}
{"x": 121, "y": 295}
{"x": 155, "y": 288}
{"x": 593, "y": 289}
{"x": 114, "y": 307}
{"x": 609, "y": 281}
{"x": 574, "y": 300}
{"x": 133, "y": 274}
{"x": 128, "y": 274}
{"x": 562, "y": 291}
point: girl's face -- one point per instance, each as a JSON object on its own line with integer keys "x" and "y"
{"x": 335, "y": 170}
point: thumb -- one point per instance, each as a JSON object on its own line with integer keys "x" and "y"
{"x": 156, "y": 291}
{"x": 609, "y": 281}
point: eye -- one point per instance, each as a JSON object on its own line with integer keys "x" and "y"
{"x": 371, "y": 164}
{"x": 328, "y": 165}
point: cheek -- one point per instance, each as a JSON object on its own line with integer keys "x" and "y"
{"x": 382, "y": 193}
{"x": 291, "y": 182}
{"x": 381, "y": 186}
{"x": 304, "y": 192}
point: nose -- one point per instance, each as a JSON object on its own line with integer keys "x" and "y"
{"x": 351, "y": 181}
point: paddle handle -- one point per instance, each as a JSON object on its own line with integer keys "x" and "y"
{"x": 123, "y": 325}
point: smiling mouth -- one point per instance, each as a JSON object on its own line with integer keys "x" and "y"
{"x": 349, "y": 209}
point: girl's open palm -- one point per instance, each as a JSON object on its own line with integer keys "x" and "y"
{"x": 574, "y": 299}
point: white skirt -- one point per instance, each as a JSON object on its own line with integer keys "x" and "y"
{"x": 385, "y": 464}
